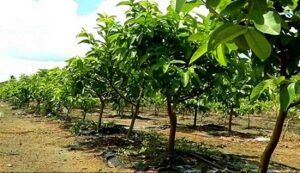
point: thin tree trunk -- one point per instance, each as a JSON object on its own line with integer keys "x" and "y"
{"x": 101, "y": 113}
{"x": 68, "y": 118}
{"x": 230, "y": 119}
{"x": 132, "y": 110}
{"x": 195, "y": 116}
{"x": 266, "y": 156}
{"x": 136, "y": 112}
{"x": 84, "y": 115}
{"x": 38, "y": 107}
{"x": 249, "y": 122}
{"x": 173, "y": 123}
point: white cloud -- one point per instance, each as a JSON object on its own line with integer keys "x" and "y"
{"x": 12, "y": 66}
{"x": 41, "y": 31}
{"x": 33, "y": 28}
{"x": 33, "y": 32}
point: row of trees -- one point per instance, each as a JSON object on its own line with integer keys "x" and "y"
{"x": 180, "y": 59}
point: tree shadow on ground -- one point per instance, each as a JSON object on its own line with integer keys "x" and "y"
{"x": 129, "y": 117}
{"x": 147, "y": 151}
{"x": 217, "y": 130}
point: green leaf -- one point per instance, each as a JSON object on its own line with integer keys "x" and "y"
{"x": 186, "y": 78}
{"x": 196, "y": 37}
{"x": 177, "y": 62}
{"x": 233, "y": 6}
{"x": 218, "y": 5}
{"x": 258, "y": 89}
{"x": 113, "y": 37}
{"x": 241, "y": 43}
{"x": 124, "y": 3}
{"x": 271, "y": 23}
{"x": 224, "y": 33}
{"x": 221, "y": 55}
{"x": 177, "y": 5}
{"x": 199, "y": 52}
{"x": 287, "y": 96}
{"x": 259, "y": 44}
{"x": 256, "y": 10}
{"x": 270, "y": 83}
{"x": 194, "y": 74}
{"x": 190, "y": 5}
{"x": 166, "y": 67}
{"x": 295, "y": 78}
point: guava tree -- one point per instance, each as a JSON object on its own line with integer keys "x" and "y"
{"x": 119, "y": 65}
{"x": 264, "y": 29}
{"x": 163, "y": 48}
{"x": 233, "y": 84}
{"x": 18, "y": 91}
{"x": 87, "y": 75}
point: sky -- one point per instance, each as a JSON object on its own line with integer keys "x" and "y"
{"x": 38, "y": 34}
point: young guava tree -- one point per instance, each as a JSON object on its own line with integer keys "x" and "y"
{"x": 264, "y": 29}
{"x": 163, "y": 48}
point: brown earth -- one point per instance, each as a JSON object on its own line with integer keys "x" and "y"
{"x": 242, "y": 142}
{"x": 39, "y": 145}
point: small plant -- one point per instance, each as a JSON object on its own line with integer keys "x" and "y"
{"x": 83, "y": 125}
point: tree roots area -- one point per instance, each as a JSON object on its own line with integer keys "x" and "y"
{"x": 33, "y": 143}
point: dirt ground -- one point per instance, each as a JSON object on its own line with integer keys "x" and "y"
{"x": 39, "y": 145}
{"x": 242, "y": 142}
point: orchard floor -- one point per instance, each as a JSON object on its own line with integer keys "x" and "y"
{"x": 243, "y": 141}
{"x": 37, "y": 144}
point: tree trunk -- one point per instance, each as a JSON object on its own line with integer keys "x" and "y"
{"x": 248, "y": 121}
{"x": 38, "y": 107}
{"x": 230, "y": 119}
{"x": 195, "y": 116}
{"x": 136, "y": 112}
{"x": 68, "y": 118}
{"x": 84, "y": 115}
{"x": 101, "y": 113}
{"x": 173, "y": 123}
{"x": 155, "y": 109}
{"x": 132, "y": 110}
{"x": 266, "y": 156}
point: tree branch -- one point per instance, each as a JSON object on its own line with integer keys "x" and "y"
{"x": 120, "y": 94}
{"x": 195, "y": 93}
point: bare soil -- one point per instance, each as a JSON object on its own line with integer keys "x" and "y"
{"x": 39, "y": 145}
{"x": 241, "y": 142}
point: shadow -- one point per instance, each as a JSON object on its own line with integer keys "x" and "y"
{"x": 282, "y": 165}
{"x": 216, "y": 130}
{"x": 145, "y": 151}
{"x": 129, "y": 117}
